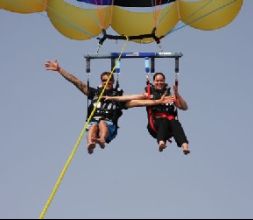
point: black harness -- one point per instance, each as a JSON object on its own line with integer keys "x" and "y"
{"x": 169, "y": 109}
{"x": 106, "y": 109}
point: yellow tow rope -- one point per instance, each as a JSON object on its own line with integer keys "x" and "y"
{"x": 77, "y": 144}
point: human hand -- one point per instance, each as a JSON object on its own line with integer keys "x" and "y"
{"x": 175, "y": 89}
{"x": 106, "y": 98}
{"x": 146, "y": 95}
{"x": 52, "y": 65}
{"x": 167, "y": 99}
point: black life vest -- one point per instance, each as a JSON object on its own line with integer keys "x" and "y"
{"x": 106, "y": 109}
{"x": 169, "y": 110}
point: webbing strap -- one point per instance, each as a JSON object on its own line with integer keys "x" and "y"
{"x": 150, "y": 114}
{"x": 132, "y": 38}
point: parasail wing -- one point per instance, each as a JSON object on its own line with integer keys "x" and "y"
{"x": 24, "y": 6}
{"x": 77, "y": 23}
{"x": 131, "y": 23}
{"x": 209, "y": 15}
{"x": 81, "y": 22}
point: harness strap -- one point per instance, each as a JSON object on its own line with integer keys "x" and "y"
{"x": 151, "y": 120}
{"x": 164, "y": 115}
{"x": 151, "y": 115}
{"x": 122, "y": 37}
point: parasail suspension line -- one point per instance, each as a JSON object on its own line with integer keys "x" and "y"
{"x": 77, "y": 144}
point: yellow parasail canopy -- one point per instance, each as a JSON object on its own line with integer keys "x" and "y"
{"x": 77, "y": 23}
{"x": 82, "y": 22}
{"x": 131, "y": 23}
{"x": 24, "y": 6}
{"x": 209, "y": 15}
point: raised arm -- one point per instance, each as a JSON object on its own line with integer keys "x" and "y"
{"x": 179, "y": 102}
{"x": 54, "y": 66}
{"x": 147, "y": 102}
{"x": 126, "y": 98}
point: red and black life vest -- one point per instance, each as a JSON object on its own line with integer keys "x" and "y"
{"x": 168, "y": 111}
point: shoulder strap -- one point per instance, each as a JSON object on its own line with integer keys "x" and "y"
{"x": 151, "y": 121}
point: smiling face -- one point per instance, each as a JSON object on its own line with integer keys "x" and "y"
{"x": 159, "y": 81}
{"x": 104, "y": 77}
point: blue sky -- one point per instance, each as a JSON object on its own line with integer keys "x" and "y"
{"x": 42, "y": 115}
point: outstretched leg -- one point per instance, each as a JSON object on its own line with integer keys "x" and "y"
{"x": 91, "y": 138}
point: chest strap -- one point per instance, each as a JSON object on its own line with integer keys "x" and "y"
{"x": 164, "y": 115}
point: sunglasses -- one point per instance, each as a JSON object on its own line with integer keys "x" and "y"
{"x": 104, "y": 80}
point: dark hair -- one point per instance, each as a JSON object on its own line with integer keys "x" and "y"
{"x": 106, "y": 74}
{"x": 159, "y": 73}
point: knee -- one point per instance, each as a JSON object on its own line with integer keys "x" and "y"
{"x": 102, "y": 124}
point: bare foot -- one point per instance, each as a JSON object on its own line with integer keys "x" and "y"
{"x": 91, "y": 147}
{"x": 101, "y": 142}
{"x": 186, "y": 151}
{"x": 162, "y": 146}
{"x": 185, "y": 147}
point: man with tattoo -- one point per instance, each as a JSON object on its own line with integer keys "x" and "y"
{"x": 103, "y": 126}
